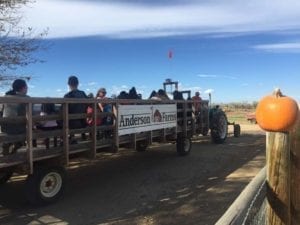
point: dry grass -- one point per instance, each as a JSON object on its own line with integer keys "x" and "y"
{"x": 238, "y": 116}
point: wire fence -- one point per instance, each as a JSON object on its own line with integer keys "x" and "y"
{"x": 249, "y": 207}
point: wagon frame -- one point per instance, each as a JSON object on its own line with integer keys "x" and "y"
{"x": 46, "y": 167}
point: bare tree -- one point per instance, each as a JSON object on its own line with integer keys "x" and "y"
{"x": 16, "y": 43}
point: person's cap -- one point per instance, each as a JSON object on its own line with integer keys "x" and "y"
{"x": 103, "y": 90}
{"x": 197, "y": 93}
{"x": 73, "y": 80}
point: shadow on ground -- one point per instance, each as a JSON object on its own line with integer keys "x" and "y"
{"x": 152, "y": 187}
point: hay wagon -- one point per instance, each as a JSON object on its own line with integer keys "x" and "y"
{"x": 136, "y": 124}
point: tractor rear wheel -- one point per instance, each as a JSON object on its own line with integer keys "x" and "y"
{"x": 219, "y": 127}
{"x": 205, "y": 131}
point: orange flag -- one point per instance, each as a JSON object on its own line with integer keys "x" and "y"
{"x": 170, "y": 54}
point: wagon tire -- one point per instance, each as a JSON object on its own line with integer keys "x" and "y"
{"x": 219, "y": 127}
{"x": 183, "y": 146}
{"x": 141, "y": 146}
{"x": 46, "y": 185}
{"x": 10, "y": 148}
{"x": 236, "y": 130}
{"x": 5, "y": 175}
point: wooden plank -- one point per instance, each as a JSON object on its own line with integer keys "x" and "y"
{"x": 185, "y": 119}
{"x": 94, "y": 132}
{"x": 295, "y": 174}
{"x": 66, "y": 132}
{"x": 5, "y": 138}
{"x": 164, "y": 135}
{"x": 134, "y": 141}
{"x": 29, "y": 137}
{"x": 278, "y": 178}
{"x": 116, "y": 130}
{"x": 13, "y": 120}
{"x": 150, "y": 137}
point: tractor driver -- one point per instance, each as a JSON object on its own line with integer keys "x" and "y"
{"x": 196, "y": 101}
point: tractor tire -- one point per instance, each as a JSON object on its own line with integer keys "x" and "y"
{"x": 141, "y": 146}
{"x": 219, "y": 127}
{"x": 183, "y": 146}
{"x": 236, "y": 130}
{"x": 5, "y": 175}
{"x": 46, "y": 185}
{"x": 205, "y": 131}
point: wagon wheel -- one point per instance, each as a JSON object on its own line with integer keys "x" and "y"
{"x": 219, "y": 127}
{"x": 141, "y": 146}
{"x": 11, "y": 148}
{"x": 45, "y": 185}
{"x": 183, "y": 145}
{"x": 5, "y": 175}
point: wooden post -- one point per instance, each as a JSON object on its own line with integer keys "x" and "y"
{"x": 94, "y": 131}
{"x": 116, "y": 130}
{"x": 185, "y": 119}
{"x": 295, "y": 175}
{"x": 66, "y": 132}
{"x": 29, "y": 136}
{"x": 278, "y": 178}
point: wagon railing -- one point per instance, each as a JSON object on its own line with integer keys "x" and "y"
{"x": 61, "y": 152}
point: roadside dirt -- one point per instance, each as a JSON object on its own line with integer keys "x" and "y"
{"x": 152, "y": 187}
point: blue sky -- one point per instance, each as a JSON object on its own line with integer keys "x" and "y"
{"x": 239, "y": 51}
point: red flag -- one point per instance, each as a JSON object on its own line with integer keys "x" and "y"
{"x": 170, "y": 54}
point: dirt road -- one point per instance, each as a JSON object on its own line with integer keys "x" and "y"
{"x": 153, "y": 187}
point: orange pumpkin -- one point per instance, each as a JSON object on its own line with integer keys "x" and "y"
{"x": 277, "y": 112}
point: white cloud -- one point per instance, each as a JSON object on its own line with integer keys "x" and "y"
{"x": 209, "y": 91}
{"x": 117, "y": 89}
{"x": 290, "y": 47}
{"x": 216, "y": 76}
{"x": 92, "y": 83}
{"x": 207, "y": 76}
{"x": 121, "y": 20}
{"x": 193, "y": 89}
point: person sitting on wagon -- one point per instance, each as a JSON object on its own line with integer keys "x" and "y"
{"x": 19, "y": 89}
{"x": 75, "y": 108}
{"x": 48, "y": 125}
{"x": 104, "y": 107}
{"x": 162, "y": 95}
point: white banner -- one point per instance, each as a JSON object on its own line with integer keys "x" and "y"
{"x": 140, "y": 118}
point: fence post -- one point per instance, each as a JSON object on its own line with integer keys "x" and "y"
{"x": 295, "y": 175}
{"x": 278, "y": 178}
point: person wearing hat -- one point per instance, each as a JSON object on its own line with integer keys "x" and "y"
{"x": 75, "y": 108}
